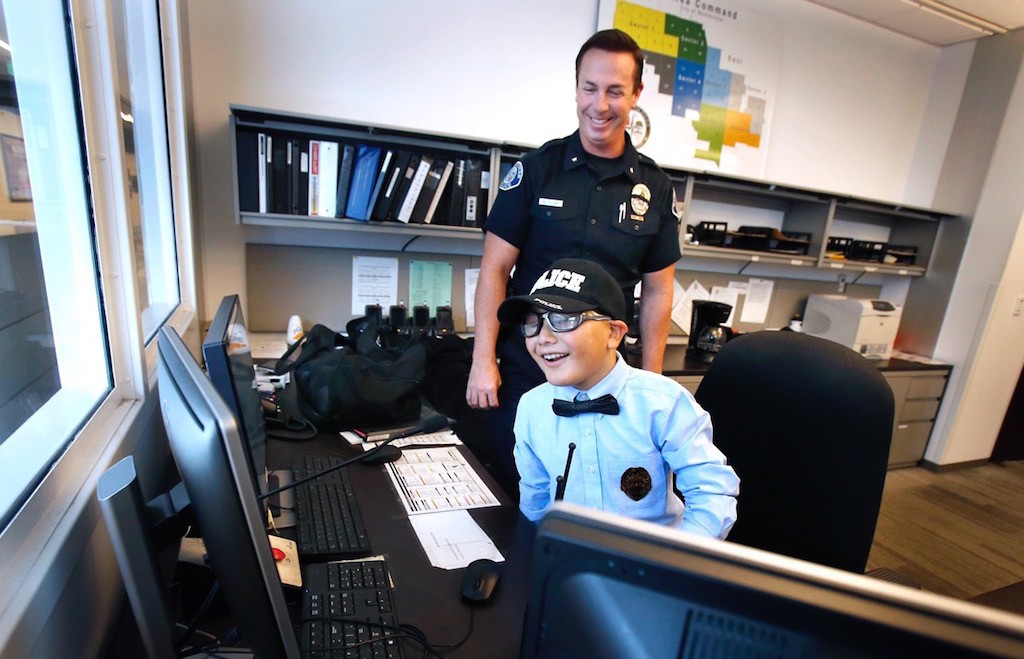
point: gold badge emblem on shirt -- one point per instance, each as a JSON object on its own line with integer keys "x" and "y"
{"x": 640, "y": 201}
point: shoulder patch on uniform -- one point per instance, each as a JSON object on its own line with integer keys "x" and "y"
{"x": 513, "y": 178}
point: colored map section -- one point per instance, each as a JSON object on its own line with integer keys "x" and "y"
{"x": 715, "y": 98}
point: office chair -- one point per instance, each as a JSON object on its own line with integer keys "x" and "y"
{"x": 806, "y": 423}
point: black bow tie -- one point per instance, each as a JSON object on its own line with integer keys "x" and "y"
{"x": 604, "y": 405}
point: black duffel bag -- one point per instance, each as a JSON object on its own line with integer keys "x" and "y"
{"x": 365, "y": 379}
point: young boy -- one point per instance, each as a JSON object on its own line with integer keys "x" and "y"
{"x": 634, "y": 430}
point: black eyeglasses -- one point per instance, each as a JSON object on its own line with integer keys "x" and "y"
{"x": 558, "y": 321}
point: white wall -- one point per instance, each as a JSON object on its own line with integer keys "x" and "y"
{"x": 979, "y": 334}
{"x": 850, "y": 113}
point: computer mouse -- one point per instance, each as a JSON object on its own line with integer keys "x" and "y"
{"x": 480, "y": 579}
{"x": 384, "y": 454}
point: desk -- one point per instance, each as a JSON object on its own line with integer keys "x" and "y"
{"x": 428, "y": 597}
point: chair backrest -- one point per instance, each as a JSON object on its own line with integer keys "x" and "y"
{"x": 806, "y": 423}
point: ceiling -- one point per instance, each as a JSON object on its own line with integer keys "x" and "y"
{"x": 938, "y": 22}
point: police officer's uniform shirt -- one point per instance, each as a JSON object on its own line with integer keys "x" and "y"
{"x": 553, "y": 204}
{"x": 624, "y": 463}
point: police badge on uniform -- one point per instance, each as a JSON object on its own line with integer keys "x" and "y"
{"x": 639, "y": 201}
{"x": 513, "y": 178}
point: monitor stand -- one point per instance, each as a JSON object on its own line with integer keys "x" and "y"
{"x": 282, "y": 504}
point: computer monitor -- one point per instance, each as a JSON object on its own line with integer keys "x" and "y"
{"x": 608, "y": 586}
{"x": 228, "y": 357}
{"x": 205, "y": 443}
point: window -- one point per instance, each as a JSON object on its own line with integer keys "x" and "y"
{"x": 51, "y": 322}
{"x": 85, "y": 195}
{"x": 141, "y": 84}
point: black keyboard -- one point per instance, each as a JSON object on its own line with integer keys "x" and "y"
{"x": 350, "y": 612}
{"x": 328, "y": 520}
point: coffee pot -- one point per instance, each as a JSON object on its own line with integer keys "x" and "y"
{"x": 707, "y": 333}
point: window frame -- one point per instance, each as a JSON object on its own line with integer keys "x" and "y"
{"x": 47, "y": 536}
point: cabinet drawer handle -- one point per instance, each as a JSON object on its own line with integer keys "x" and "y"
{"x": 903, "y": 426}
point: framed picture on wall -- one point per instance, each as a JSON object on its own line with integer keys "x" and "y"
{"x": 16, "y": 167}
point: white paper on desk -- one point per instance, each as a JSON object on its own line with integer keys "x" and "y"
{"x": 430, "y": 480}
{"x": 472, "y": 277}
{"x": 374, "y": 281}
{"x": 452, "y": 540}
{"x": 442, "y": 437}
{"x": 759, "y": 298}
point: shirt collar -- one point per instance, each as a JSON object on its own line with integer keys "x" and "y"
{"x": 576, "y": 156}
{"x": 610, "y": 384}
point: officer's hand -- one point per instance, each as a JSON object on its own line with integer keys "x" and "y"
{"x": 482, "y": 388}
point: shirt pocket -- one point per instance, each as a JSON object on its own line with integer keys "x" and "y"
{"x": 627, "y": 479}
{"x": 647, "y": 227}
{"x": 549, "y": 212}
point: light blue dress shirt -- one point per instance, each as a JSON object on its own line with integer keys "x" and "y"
{"x": 660, "y": 431}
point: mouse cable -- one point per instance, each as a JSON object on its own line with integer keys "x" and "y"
{"x": 294, "y": 429}
{"x": 183, "y": 640}
{"x": 399, "y": 632}
{"x": 465, "y": 638}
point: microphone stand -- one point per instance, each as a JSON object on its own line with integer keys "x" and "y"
{"x": 561, "y": 480}
{"x": 430, "y": 424}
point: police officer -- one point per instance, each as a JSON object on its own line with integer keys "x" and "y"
{"x": 590, "y": 195}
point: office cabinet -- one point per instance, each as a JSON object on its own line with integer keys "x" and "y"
{"x": 917, "y": 395}
{"x": 843, "y": 234}
{"x": 816, "y": 217}
{"x": 689, "y": 382}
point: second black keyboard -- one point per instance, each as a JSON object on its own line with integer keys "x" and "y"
{"x": 349, "y": 611}
{"x": 328, "y": 521}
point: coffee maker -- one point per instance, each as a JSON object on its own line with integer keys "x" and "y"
{"x": 707, "y": 334}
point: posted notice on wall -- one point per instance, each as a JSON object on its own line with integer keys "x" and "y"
{"x": 374, "y": 281}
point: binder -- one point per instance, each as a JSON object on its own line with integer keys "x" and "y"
{"x": 279, "y": 155}
{"x": 364, "y": 172}
{"x": 247, "y": 156}
{"x": 348, "y": 156}
{"x": 454, "y": 209}
{"x": 303, "y": 191}
{"x": 474, "y": 211}
{"x": 313, "y": 193}
{"x": 403, "y": 187}
{"x": 415, "y": 186}
{"x": 439, "y": 195}
{"x": 268, "y": 176}
{"x": 379, "y": 183}
{"x": 294, "y": 206}
{"x": 393, "y": 177}
{"x": 328, "y": 192}
{"x": 427, "y": 202}
{"x": 323, "y": 178}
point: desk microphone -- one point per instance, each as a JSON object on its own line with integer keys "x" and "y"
{"x": 432, "y": 423}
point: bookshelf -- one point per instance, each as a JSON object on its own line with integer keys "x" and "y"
{"x": 801, "y": 231}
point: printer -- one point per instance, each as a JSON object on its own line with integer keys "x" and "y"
{"x": 867, "y": 326}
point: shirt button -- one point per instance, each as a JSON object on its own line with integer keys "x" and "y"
{"x": 587, "y": 431}
{"x": 593, "y": 221}
{"x": 599, "y": 188}
{"x": 636, "y": 227}
{"x": 590, "y": 470}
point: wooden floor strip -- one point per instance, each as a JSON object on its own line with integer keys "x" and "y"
{"x": 959, "y": 533}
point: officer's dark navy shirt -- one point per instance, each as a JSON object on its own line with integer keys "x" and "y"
{"x": 555, "y": 204}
